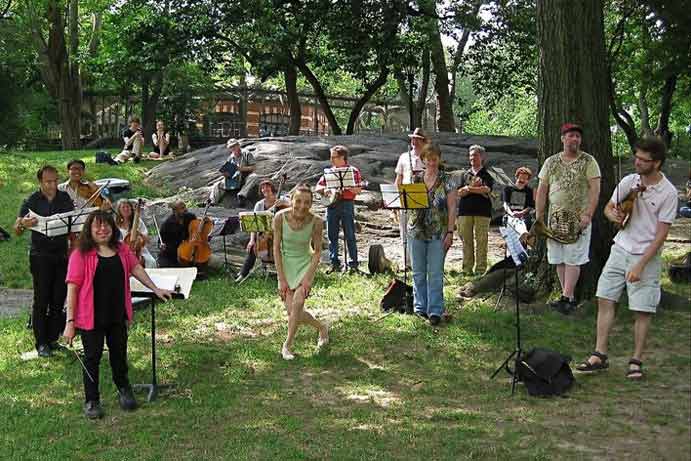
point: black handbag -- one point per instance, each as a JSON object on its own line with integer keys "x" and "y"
{"x": 545, "y": 372}
{"x": 398, "y": 297}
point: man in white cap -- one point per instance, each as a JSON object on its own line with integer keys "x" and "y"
{"x": 239, "y": 166}
{"x": 409, "y": 165}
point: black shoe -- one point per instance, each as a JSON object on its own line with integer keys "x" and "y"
{"x": 44, "y": 351}
{"x": 127, "y": 400}
{"x": 334, "y": 269}
{"x": 434, "y": 320}
{"x": 54, "y": 346}
{"x": 567, "y": 307}
{"x": 422, "y": 315}
{"x": 556, "y": 304}
{"x": 353, "y": 270}
{"x": 93, "y": 410}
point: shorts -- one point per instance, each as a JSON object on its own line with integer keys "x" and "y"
{"x": 644, "y": 295}
{"x": 573, "y": 254}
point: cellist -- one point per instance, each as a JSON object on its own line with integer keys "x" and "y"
{"x": 174, "y": 231}
{"x": 79, "y": 189}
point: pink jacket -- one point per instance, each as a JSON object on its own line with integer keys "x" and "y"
{"x": 81, "y": 271}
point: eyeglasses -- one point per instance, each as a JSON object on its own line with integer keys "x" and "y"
{"x": 641, "y": 159}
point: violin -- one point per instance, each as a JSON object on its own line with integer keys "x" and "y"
{"x": 134, "y": 239}
{"x": 92, "y": 194}
{"x": 264, "y": 245}
{"x": 196, "y": 250}
{"x": 626, "y": 205}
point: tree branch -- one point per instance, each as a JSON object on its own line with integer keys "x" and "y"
{"x": 369, "y": 92}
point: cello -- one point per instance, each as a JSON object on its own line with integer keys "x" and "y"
{"x": 196, "y": 250}
{"x": 134, "y": 239}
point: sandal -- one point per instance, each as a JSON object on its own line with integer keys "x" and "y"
{"x": 635, "y": 374}
{"x": 587, "y": 367}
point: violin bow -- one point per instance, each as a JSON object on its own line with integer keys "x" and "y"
{"x": 158, "y": 231}
{"x": 95, "y": 194}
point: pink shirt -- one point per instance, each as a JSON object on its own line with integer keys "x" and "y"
{"x": 81, "y": 271}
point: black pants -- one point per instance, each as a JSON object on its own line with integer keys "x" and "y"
{"x": 167, "y": 261}
{"x": 116, "y": 338}
{"x": 249, "y": 263}
{"x": 48, "y": 315}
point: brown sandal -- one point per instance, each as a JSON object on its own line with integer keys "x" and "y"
{"x": 635, "y": 374}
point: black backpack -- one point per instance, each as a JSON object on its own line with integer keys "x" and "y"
{"x": 545, "y": 372}
{"x": 104, "y": 157}
{"x": 394, "y": 298}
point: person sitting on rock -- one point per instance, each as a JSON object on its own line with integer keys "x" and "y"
{"x": 134, "y": 142}
{"x": 173, "y": 232}
{"x": 236, "y": 171}
{"x": 519, "y": 201}
{"x": 161, "y": 141}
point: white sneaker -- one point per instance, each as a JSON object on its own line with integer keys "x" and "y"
{"x": 286, "y": 354}
{"x": 323, "y": 340}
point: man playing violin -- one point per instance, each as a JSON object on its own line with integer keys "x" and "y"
{"x": 80, "y": 190}
{"x": 635, "y": 263}
{"x": 174, "y": 231}
{"x": 47, "y": 260}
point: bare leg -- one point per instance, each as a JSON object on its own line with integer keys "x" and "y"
{"x": 293, "y": 321}
{"x": 605, "y": 320}
{"x": 560, "y": 274}
{"x": 640, "y": 333}
{"x": 571, "y": 274}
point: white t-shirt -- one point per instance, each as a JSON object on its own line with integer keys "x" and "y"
{"x": 657, "y": 203}
{"x": 403, "y": 166}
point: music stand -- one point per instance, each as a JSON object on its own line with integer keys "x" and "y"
{"x": 337, "y": 180}
{"x": 405, "y": 197}
{"x": 176, "y": 279}
{"x": 520, "y": 257}
{"x": 224, "y": 227}
{"x": 61, "y": 223}
{"x": 256, "y": 221}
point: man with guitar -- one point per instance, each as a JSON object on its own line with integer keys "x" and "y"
{"x": 341, "y": 211}
{"x": 270, "y": 200}
{"x": 239, "y": 166}
{"x": 634, "y": 262}
{"x": 174, "y": 231}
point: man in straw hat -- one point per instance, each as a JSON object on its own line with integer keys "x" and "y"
{"x": 409, "y": 165}
{"x": 570, "y": 181}
{"x": 236, "y": 171}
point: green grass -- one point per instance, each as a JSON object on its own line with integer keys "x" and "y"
{"x": 386, "y": 388}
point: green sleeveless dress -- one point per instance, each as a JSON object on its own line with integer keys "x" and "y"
{"x": 296, "y": 252}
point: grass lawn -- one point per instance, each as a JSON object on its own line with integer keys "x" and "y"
{"x": 386, "y": 388}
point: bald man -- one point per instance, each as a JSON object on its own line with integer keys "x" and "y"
{"x": 173, "y": 233}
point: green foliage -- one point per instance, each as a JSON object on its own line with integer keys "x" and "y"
{"x": 511, "y": 116}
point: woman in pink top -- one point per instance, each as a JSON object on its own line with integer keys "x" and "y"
{"x": 99, "y": 305}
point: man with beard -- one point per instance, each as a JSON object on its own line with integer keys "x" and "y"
{"x": 635, "y": 263}
{"x": 173, "y": 232}
{"x": 570, "y": 181}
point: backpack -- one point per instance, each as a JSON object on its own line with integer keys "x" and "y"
{"x": 394, "y": 298}
{"x": 104, "y": 157}
{"x": 545, "y": 372}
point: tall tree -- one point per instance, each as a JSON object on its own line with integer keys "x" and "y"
{"x": 54, "y": 26}
{"x": 572, "y": 86}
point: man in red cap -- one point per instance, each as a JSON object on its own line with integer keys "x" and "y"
{"x": 570, "y": 182}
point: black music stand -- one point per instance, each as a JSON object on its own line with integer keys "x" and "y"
{"x": 520, "y": 257}
{"x": 259, "y": 222}
{"x": 154, "y": 387}
{"x": 343, "y": 182}
{"x": 405, "y": 197}
{"x": 231, "y": 226}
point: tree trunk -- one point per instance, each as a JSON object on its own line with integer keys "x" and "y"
{"x": 319, "y": 93}
{"x": 151, "y": 93}
{"x": 424, "y": 86}
{"x": 360, "y": 103}
{"x": 662, "y": 129}
{"x": 446, "y": 120}
{"x": 243, "y": 105}
{"x": 573, "y": 87}
{"x": 291, "y": 77}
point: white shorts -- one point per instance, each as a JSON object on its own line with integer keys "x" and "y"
{"x": 573, "y": 254}
{"x": 644, "y": 295}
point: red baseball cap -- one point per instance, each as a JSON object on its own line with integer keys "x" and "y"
{"x": 566, "y": 127}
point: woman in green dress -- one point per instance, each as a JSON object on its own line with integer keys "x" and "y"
{"x": 297, "y": 246}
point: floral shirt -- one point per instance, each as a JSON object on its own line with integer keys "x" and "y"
{"x": 431, "y": 223}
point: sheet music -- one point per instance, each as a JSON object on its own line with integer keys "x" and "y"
{"x": 513, "y": 244}
{"x": 333, "y": 177}
{"x": 177, "y": 279}
{"x": 57, "y": 224}
{"x": 416, "y": 194}
{"x": 390, "y": 195}
{"x": 256, "y": 221}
